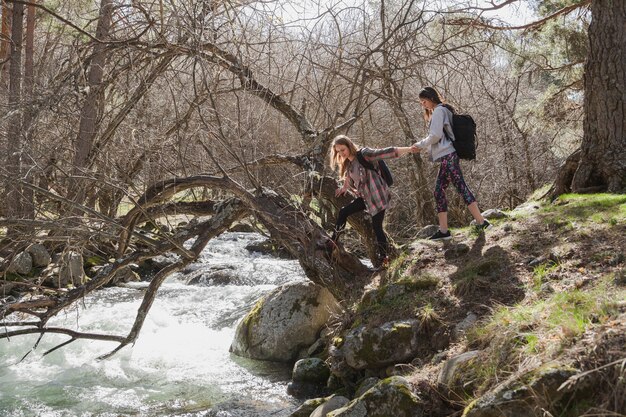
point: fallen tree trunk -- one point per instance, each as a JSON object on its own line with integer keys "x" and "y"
{"x": 341, "y": 272}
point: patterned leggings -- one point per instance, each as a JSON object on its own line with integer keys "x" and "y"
{"x": 450, "y": 171}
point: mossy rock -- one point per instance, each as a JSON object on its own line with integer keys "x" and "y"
{"x": 376, "y": 347}
{"x": 308, "y": 407}
{"x": 312, "y": 370}
{"x": 284, "y": 322}
{"x": 527, "y": 395}
{"x": 390, "y": 397}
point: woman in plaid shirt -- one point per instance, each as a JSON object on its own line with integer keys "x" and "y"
{"x": 369, "y": 188}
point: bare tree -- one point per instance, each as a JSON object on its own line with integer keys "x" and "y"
{"x": 94, "y": 100}
{"x": 12, "y": 195}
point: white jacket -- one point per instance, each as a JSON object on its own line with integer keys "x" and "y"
{"x": 439, "y": 145}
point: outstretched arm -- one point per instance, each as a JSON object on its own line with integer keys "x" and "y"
{"x": 407, "y": 149}
{"x": 386, "y": 153}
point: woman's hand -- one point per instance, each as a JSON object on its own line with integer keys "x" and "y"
{"x": 405, "y": 150}
{"x": 340, "y": 191}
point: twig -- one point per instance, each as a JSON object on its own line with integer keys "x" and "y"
{"x": 574, "y": 378}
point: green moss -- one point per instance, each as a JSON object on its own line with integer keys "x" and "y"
{"x": 94, "y": 261}
{"x": 599, "y": 208}
{"x": 253, "y": 317}
{"x": 469, "y": 407}
{"x": 421, "y": 282}
{"x": 375, "y": 350}
{"x": 337, "y": 342}
{"x": 388, "y": 397}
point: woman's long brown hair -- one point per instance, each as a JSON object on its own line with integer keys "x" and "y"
{"x": 429, "y": 93}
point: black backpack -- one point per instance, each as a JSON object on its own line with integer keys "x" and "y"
{"x": 464, "y": 129}
{"x": 383, "y": 169}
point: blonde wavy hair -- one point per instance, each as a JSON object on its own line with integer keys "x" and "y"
{"x": 336, "y": 160}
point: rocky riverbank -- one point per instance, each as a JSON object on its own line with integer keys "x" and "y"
{"x": 525, "y": 320}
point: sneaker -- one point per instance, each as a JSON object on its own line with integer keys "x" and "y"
{"x": 486, "y": 225}
{"x": 441, "y": 236}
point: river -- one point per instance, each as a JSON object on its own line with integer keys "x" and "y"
{"x": 180, "y": 364}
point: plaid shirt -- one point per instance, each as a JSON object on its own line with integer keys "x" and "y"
{"x": 367, "y": 184}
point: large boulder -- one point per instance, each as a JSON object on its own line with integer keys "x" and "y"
{"x": 124, "y": 275}
{"x": 284, "y": 322}
{"x": 39, "y": 254}
{"x": 309, "y": 378}
{"x": 376, "y": 347}
{"x": 312, "y": 370}
{"x": 71, "y": 269}
{"x": 21, "y": 264}
{"x": 390, "y": 397}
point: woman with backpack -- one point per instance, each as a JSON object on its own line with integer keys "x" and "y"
{"x": 439, "y": 142}
{"x": 367, "y": 185}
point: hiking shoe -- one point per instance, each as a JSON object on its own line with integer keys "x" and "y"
{"x": 486, "y": 225}
{"x": 441, "y": 236}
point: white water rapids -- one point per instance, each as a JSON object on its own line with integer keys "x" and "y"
{"x": 180, "y": 364}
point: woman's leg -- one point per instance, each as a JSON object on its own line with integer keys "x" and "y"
{"x": 466, "y": 193}
{"x": 443, "y": 180}
{"x": 342, "y": 218}
{"x": 443, "y": 221}
{"x": 459, "y": 182}
{"x": 381, "y": 237}
{"x": 473, "y": 208}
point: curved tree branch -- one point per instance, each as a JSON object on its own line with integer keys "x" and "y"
{"x": 475, "y": 22}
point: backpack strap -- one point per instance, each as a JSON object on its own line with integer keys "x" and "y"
{"x": 367, "y": 164}
{"x": 451, "y": 119}
{"x": 380, "y": 168}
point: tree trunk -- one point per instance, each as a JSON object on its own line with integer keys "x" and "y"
{"x": 28, "y": 204}
{"x": 602, "y": 164}
{"x": 94, "y": 101}
{"x": 14, "y": 140}
{"x": 5, "y": 44}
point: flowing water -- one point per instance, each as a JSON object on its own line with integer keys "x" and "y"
{"x": 180, "y": 364}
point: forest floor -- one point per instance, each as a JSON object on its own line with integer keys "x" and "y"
{"x": 540, "y": 283}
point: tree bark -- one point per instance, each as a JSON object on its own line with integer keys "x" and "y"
{"x": 28, "y": 204}
{"x": 14, "y": 139}
{"x": 5, "y": 44}
{"x": 94, "y": 100}
{"x": 602, "y": 163}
